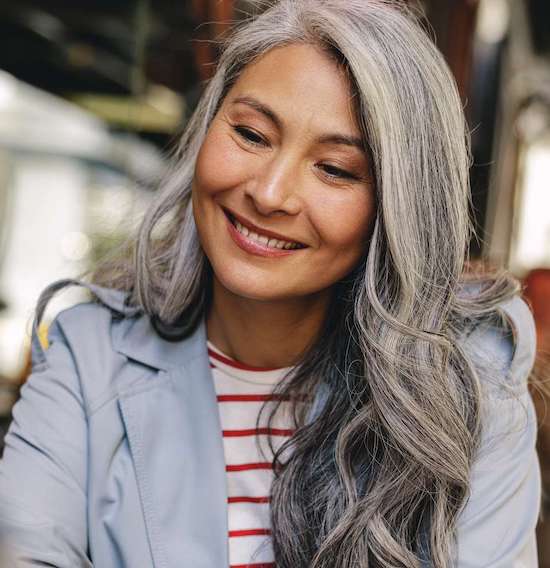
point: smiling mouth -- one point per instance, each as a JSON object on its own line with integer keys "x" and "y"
{"x": 261, "y": 239}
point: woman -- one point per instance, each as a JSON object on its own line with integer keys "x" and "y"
{"x": 313, "y": 232}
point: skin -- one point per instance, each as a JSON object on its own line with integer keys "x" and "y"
{"x": 266, "y": 311}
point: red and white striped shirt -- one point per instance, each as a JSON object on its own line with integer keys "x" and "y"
{"x": 241, "y": 390}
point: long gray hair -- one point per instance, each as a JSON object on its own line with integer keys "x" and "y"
{"x": 379, "y": 476}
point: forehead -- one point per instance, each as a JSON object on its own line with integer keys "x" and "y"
{"x": 303, "y": 84}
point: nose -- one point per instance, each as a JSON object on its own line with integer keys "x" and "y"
{"x": 274, "y": 189}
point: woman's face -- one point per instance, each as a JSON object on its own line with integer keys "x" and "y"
{"x": 284, "y": 156}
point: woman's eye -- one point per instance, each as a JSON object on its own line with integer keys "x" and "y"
{"x": 249, "y": 136}
{"x": 337, "y": 173}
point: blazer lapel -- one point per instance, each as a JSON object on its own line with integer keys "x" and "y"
{"x": 173, "y": 428}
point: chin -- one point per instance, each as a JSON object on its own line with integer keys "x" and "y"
{"x": 252, "y": 288}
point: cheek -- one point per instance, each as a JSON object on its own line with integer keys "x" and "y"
{"x": 345, "y": 223}
{"x": 220, "y": 163}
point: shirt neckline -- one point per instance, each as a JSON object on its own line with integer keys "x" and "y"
{"x": 219, "y": 355}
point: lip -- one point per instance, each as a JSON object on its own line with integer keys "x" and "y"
{"x": 259, "y": 230}
{"x": 253, "y": 247}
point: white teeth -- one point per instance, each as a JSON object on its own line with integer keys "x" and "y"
{"x": 262, "y": 239}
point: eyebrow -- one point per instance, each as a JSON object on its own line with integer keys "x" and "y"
{"x": 329, "y": 138}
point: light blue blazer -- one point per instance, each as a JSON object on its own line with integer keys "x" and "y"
{"x": 115, "y": 458}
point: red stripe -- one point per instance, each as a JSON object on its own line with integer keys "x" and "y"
{"x": 245, "y": 499}
{"x": 247, "y": 466}
{"x": 258, "y": 431}
{"x": 249, "y": 532}
{"x": 248, "y": 397}
{"x": 238, "y": 364}
{"x": 261, "y": 565}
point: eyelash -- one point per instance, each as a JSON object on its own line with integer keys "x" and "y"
{"x": 245, "y": 133}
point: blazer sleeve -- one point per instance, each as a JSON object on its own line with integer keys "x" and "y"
{"x": 496, "y": 528}
{"x": 43, "y": 471}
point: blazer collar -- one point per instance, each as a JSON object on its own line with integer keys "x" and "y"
{"x": 135, "y": 337}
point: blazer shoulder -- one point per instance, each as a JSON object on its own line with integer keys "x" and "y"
{"x": 503, "y": 347}
{"x": 84, "y": 313}
{"x": 523, "y": 335}
{"x": 87, "y": 331}
{"x": 84, "y": 316}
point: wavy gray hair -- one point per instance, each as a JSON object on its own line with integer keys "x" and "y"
{"x": 379, "y": 476}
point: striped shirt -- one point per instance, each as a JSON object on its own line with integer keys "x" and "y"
{"x": 241, "y": 390}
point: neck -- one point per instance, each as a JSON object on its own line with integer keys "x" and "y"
{"x": 264, "y": 333}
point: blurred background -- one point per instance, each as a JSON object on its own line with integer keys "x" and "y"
{"x": 93, "y": 96}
